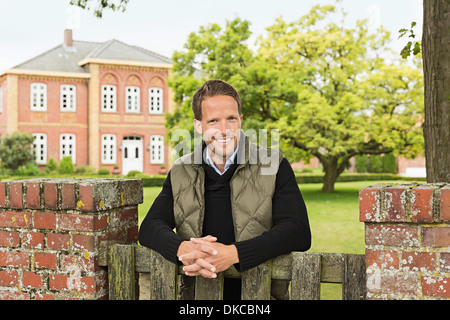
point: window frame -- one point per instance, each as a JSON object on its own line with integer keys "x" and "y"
{"x": 68, "y": 107}
{"x": 41, "y": 93}
{"x": 109, "y": 105}
{"x": 40, "y": 148}
{"x": 110, "y": 146}
{"x": 135, "y": 97}
{"x": 155, "y": 95}
{"x": 65, "y": 143}
{"x": 153, "y": 146}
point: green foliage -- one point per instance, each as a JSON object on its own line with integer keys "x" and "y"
{"x": 113, "y": 5}
{"x": 66, "y": 166}
{"x": 84, "y": 170}
{"x": 16, "y": 150}
{"x": 133, "y": 173}
{"x": 51, "y": 166}
{"x": 414, "y": 47}
{"x": 362, "y": 163}
{"x": 390, "y": 163}
{"x": 103, "y": 172}
{"x": 375, "y": 163}
{"x": 29, "y": 169}
{"x": 325, "y": 86}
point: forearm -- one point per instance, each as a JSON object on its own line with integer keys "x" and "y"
{"x": 160, "y": 239}
{"x": 276, "y": 242}
{"x": 291, "y": 231}
{"x": 156, "y": 230}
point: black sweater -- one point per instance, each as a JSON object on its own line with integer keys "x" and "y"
{"x": 290, "y": 231}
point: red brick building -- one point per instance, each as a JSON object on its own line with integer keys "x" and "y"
{"x": 102, "y": 104}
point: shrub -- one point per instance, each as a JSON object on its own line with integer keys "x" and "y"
{"x": 390, "y": 163}
{"x": 84, "y": 169}
{"x": 29, "y": 169}
{"x": 66, "y": 166}
{"x": 16, "y": 149}
{"x": 133, "y": 173}
{"x": 103, "y": 172}
{"x": 362, "y": 163}
{"x": 376, "y": 164}
{"x": 51, "y": 166}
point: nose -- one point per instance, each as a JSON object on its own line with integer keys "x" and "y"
{"x": 223, "y": 128}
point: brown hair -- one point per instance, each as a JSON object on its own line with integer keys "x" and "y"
{"x": 213, "y": 88}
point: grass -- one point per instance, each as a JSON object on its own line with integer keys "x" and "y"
{"x": 333, "y": 217}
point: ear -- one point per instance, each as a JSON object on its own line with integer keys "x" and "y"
{"x": 198, "y": 126}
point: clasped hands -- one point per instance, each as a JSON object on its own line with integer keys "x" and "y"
{"x": 206, "y": 257}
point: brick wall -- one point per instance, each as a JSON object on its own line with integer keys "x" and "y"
{"x": 50, "y": 230}
{"x": 407, "y": 235}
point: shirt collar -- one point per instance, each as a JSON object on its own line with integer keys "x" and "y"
{"x": 230, "y": 161}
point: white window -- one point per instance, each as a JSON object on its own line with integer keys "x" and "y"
{"x": 133, "y": 99}
{"x": 40, "y": 148}
{"x": 156, "y": 149}
{"x": 109, "y": 149}
{"x": 38, "y": 97}
{"x": 68, "y": 146}
{"x": 109, "y": 98}
{"x": 68, "y": 98}
{"x": 155, "y": 100}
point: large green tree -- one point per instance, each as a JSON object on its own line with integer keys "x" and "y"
{"x": 325, "y": 87}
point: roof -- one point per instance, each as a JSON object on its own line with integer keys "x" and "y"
{"x": 66, "y": 59}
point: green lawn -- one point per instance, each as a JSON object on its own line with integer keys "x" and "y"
{"x": 334, "y": 220}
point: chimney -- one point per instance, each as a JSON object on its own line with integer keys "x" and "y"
{"x": 68, "y": 38}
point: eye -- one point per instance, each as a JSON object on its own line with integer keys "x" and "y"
{"x": 212, "y": 121}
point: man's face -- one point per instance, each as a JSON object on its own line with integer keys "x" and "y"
{"x": 220, "y": 125}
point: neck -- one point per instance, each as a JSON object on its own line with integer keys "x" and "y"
{"x": 219, "y": 161}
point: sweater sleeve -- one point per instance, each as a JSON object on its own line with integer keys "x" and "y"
{"x": 156, "y": 230}
{"x": 290, "y": 231}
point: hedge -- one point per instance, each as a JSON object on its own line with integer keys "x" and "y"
{"x": 157, "y": 181}
{"x": 302, "y": 178}
{"x": 350, "y": 177}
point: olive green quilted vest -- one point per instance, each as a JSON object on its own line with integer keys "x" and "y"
{"x": 252, "y": 188}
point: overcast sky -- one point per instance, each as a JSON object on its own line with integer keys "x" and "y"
{"x": 30, "y": 27}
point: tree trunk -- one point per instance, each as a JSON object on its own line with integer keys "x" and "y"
{"x": 329, "y": 180}
{"x": 436, "y": 64}
{"x": 331, "y": 174}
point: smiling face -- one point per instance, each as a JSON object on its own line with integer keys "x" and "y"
{"x": 220, "y": 126}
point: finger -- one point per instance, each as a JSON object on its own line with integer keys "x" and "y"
{"x": 209, "y": 238}
{"x": 191, "y": 256}
{"x": 204, "y": 246}
{"x": 204, "y": 273}
{"x": 192, "y": 268}
{"x": 205, "y": 265}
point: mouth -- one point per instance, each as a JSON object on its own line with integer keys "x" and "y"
{"x": 223, "y": 140}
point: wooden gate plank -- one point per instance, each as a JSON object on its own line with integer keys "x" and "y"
{"x": 256, "y": 282}
{"x": 121, "y": 275}
{"x": 163, "y": 278}
{"x": 305, "y": 283}
{"x": 209, "y": 289}
{"x": 354, "y": 283}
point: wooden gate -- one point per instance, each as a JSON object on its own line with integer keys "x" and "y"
{"x": 304, "y": 270}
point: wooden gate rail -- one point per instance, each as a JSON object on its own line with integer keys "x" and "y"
{"x": 305, "y": 271}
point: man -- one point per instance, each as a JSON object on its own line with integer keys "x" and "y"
{"x": 227, "y": 207}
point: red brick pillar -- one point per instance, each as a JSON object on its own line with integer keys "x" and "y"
{"x": 407, "y": 234}
{"x": 50, "y": 230}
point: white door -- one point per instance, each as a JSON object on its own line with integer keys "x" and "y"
{"x": 132, "y": 154}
